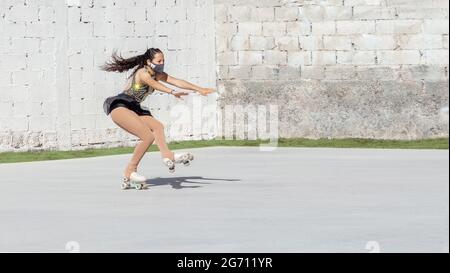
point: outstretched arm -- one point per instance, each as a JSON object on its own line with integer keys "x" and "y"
{"x": 155, "y": 84}
{"x": 184, "y": 84}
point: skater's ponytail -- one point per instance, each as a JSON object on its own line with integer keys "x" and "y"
{"x": 121, "y": 64}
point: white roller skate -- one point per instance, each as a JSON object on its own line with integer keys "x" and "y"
{"x": 136, "y": 180}
{"x": 170, "y": 164}
{"x": 184, "y": 158}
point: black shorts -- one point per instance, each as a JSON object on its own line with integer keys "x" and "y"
{"x": 124, "y": 100}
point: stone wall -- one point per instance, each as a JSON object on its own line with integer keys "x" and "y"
{"x": 51, "y": 88}
{"x": 338, "y": 68}
{"x": 333, "y": 68}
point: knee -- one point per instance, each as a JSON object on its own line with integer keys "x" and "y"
{"x": 147, "y": 137}
{"x": 158, "y": 126}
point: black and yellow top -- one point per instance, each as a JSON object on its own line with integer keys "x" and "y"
{"x": 138, "y": 91}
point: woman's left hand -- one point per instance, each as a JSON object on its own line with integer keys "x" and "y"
{"x": 206, "y": 91}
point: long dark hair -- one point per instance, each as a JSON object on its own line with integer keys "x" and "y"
{"x": 121, "y": 64}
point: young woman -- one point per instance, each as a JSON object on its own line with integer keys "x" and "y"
{"x": 127, "y": 113}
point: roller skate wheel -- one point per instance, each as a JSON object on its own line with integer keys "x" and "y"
{"x": 125, "y": 186}
{"x": 139, "y": 186}
{"x": 187, "y": 163}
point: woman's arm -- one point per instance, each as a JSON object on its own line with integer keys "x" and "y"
{"x": 155, "y": 84}
{"x": 185, "y": 84}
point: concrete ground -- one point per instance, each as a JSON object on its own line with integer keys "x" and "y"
{"x": 232, "y": 199}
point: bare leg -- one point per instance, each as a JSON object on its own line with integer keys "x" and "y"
{"x": 158, "y": 132}
{"x": 130, "y": 122}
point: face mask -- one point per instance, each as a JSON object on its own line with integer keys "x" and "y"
{"x": 157, "y": 67}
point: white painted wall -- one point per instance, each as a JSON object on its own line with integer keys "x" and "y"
{"x": 51, "y": 90}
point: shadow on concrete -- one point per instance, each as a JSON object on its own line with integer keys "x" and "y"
{"x": 175, "y": 182}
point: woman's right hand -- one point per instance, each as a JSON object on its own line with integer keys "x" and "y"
{"x": 180, "y": 94}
